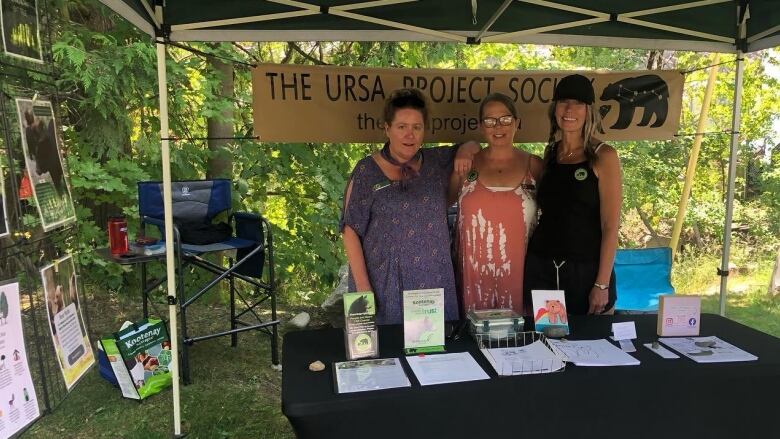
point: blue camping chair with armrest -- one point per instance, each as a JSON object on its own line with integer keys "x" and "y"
{"x": 642, "y": 275}
{"x": 201, "y": 201}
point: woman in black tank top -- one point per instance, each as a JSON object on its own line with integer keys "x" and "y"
{"x": 573, "y": 247}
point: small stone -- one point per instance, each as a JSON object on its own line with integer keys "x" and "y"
{"x": 317, "y": 366}
{"x": 556, "y": 331}
{"x": 300, "y": 320}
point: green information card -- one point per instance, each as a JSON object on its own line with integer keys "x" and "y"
{"x": 424, "y": 320}
{"x": 360, "y": 334}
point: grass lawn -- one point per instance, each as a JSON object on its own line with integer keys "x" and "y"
{"x": 748, "y": 301}
{"x": 236, "y": 394}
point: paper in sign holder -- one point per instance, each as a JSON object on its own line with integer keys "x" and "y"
{"x": 423, "y": 321}
{"x": 679, "y": 315}
{"x": 624, "y": 331}
{"x": 361, "y": 337}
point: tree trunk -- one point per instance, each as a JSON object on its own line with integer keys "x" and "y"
{"x": 220, "y": 127}
{"x": 646, "y": 222}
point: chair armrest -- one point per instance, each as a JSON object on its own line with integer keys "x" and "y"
{"x": 153, "y": 221}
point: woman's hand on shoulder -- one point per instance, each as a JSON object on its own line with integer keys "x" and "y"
{"x": 464, "y": 158}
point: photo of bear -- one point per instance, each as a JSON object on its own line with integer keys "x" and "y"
{"x": 40, "y": 143}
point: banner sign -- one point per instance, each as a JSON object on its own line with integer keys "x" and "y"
{"x": 297, "y": 103}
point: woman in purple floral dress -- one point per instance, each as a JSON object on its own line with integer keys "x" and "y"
{"x": 394, "y": 222}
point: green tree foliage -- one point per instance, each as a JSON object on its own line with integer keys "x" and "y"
{"x": 107, "y": 72}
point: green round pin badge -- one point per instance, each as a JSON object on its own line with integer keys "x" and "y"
{"x": 472, "y": 175}
{"x": 581, "y": 174}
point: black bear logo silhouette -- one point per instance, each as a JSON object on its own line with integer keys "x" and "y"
{"x": 649, "y": 92}
{"x": 359, "y": 306}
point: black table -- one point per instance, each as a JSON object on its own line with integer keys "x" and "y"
{"x": 659, "y": 398}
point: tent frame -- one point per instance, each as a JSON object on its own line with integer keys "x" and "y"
{"x": 199, "y": 31}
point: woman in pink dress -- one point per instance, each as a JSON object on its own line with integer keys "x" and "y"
{"x": 497, "y": 212}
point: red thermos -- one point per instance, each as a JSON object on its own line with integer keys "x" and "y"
{"x": 117, "y": 235}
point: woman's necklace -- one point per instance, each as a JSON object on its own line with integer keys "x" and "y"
{"x": 562, "y": 157}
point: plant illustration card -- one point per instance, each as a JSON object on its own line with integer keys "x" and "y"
{"x": 424, "y": 320}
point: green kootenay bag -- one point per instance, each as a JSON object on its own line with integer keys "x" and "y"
{"x": 140, "y": 357}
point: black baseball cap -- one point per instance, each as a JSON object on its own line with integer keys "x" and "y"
{"x": 575, "y": 87}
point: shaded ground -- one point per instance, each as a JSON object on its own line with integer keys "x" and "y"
{"x": 235, "y": 393}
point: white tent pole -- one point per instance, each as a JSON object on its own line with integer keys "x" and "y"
{"x": 735, "y": 125}
{"x": 162, "y": 83}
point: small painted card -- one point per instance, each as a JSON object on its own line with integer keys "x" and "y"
{"x": 549, "y": 309}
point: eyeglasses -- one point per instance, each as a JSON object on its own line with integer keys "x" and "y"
{"x": 490, "y": 122}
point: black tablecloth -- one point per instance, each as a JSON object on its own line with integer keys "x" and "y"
{"x": 659, "y": 398}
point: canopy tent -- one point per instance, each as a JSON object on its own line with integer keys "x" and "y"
{"x": 705, "y": 25}
{"x": 726, "y": 26}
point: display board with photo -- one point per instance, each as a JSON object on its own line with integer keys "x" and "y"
{"x": 66, "y": 320}
{"x": 44, "y": 163}
{"x": 21, "y": 29}
{"x": 18, "y": 400}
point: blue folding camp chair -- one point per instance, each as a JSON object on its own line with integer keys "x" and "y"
{"x": 642, "y": 275}
{"x": 200, "y": 201}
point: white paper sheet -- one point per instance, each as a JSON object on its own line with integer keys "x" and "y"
{"x": 446, "y": 368}
{"x": 530, "y": 359}
{"x": 721, "y": 352}
{"x": 593, "y": 353}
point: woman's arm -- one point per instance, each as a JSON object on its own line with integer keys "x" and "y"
{"x": 354, "y": 249}
{"x": 607, "y": 169}
{"x": 357, "y": 263}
